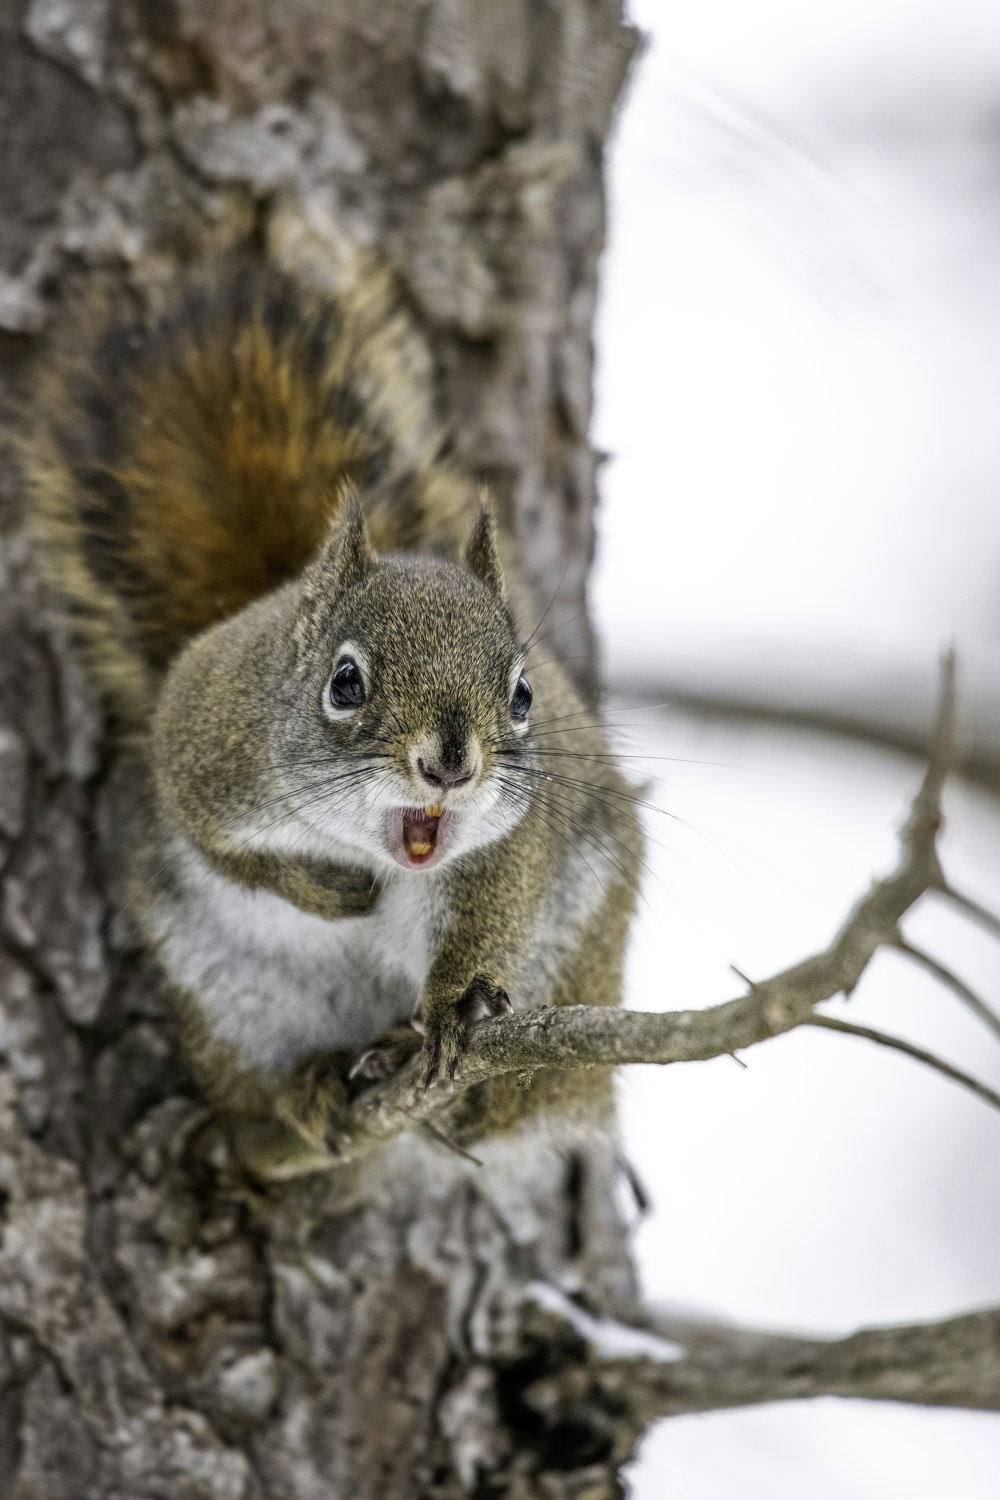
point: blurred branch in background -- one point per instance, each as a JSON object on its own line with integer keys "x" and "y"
{"x": 884, "y": 707}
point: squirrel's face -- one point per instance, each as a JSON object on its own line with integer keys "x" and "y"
{"x": 410, "y": 680}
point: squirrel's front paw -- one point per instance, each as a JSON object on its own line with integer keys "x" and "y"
{"x": 315, "y": 1102}
{"x": 446, "y": 1028}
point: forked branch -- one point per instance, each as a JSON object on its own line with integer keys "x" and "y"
{"x": 579, "y": 1036}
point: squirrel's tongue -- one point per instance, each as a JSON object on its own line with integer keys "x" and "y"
{"x": 420, "y": 830}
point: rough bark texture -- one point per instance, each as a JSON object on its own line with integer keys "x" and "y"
{"x": 165, "y": 1331}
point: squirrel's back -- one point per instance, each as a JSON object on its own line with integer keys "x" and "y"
{"x": 181, "y": 468}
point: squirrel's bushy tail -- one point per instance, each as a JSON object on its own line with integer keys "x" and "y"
{"x": 178, "y": 471}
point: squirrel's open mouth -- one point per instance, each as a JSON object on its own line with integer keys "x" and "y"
{"x": 420, "y": 834}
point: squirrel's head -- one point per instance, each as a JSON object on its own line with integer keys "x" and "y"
{"x": 408, "y": 680}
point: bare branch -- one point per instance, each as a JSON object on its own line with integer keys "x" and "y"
{"x": 897, "y": 1044}
{"x": 957, "y": 986}
{"x": 981, "y": 914}
{"x": 579, "y": 1036}
{"x": 691, "y": 1365}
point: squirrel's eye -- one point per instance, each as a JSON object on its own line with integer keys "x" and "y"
{"x": 347, "y": 690}
{"x": 521, "y": 701}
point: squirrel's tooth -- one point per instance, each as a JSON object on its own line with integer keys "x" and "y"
{"x": 435, "y": 810}
{"x": 420, "y": 849}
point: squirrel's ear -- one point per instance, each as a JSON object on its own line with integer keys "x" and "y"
{"x": 482, "y": 556}
{"x": 348, "y": 556}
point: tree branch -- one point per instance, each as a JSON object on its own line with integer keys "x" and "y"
{"x": 673, "y": 1364}
{"x": 952, "y": 982}
{"x": 919, "y": 1054}
{"x": 973, "y": 909}
{"x": 579, "y": 1036}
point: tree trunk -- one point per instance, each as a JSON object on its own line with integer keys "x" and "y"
{"x": 165, "y": 1329}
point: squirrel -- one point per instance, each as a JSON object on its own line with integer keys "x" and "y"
{"x": 372, "y": 818}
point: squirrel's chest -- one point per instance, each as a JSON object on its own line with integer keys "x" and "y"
{"x": 277, "y": 984}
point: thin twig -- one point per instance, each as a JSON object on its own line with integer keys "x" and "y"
{"x": 981, "y": 914}
{"x": 639, "y": 1190}
{"x": 897, "y": 1044}
{"x": 440, "y": 1139}
{"x": 957, "y": 986}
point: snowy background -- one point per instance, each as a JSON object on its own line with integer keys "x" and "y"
{"x": 799, "y": 385}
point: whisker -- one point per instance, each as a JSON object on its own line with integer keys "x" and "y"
{"x": 357, "y": 773}
{"x": 562, "y": 810}
{"x": 602, "y": 796}
{"x": 556, "y": 661}
{"x": 714, "y": 839}
{"x": 554, "y": 629}
{"x": 570, "y": 844}
{"x": 570, "y": 811}
{"x": 613, "y": 756}
{"x": 293, "y": 790}
{"x": 589, "y": 713}
{"x": 592, "y": 788}
{"x": 534, "y": 634}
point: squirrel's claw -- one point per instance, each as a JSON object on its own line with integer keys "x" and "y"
{"x": 446, "y": 1034}
{"x": 442, "y": 1045}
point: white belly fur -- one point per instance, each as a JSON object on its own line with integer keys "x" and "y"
{"x": 277, "y": 984}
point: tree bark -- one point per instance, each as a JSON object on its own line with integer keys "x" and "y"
{"x": 165, "y": 1329}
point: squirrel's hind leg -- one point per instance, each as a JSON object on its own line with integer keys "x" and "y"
{"x": 301, "y": 1135}
{"x": 274, "y": 1151}
{"x": 298, "y": 1133}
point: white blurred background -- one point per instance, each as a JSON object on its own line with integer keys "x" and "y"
{"x": 799, "y": 388}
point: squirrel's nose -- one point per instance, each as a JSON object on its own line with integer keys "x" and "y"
{"x": 443, "y": 776}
